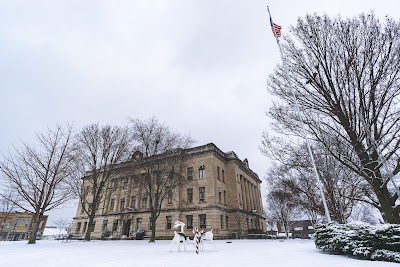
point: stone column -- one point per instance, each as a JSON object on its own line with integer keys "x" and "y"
{"x": 249, "y": 195}
{"x": 260, "y": 200}
{"x": 243, "y": 194}
{"x": 257, "y": 199}
{"x": 246, "y": 194}
{"x": 253, "y": 196}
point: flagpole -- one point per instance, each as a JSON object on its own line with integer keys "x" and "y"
{"x": 298, "y": 111}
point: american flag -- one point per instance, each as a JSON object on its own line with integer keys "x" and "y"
{"x": 276, "y": 29}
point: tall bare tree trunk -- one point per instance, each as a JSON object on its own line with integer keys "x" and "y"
{"x": 35, "y": 228}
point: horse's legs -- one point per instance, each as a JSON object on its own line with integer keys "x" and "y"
{"x": 172, "y": 243}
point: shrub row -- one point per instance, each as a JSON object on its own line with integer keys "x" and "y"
{"x": 380, "y": 243}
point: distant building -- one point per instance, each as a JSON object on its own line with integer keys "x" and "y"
{"x": 221, "y": 193}
{"x": 297, "y": 229}
{"x": 18, "y": 226}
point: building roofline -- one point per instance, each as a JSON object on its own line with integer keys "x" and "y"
{"x": 228, "y": 156}
{"x": 210, "y": 147}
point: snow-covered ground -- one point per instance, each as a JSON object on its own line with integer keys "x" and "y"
{"x": 293, "y": 253}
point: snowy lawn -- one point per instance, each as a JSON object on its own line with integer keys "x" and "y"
{"x": 243, "y": 253}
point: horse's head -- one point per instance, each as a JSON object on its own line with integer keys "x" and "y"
{"x": 178, "y": 224}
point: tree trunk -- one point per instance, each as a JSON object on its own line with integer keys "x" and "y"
{"x": 287, "y": 230}
{"x": 387, "y": 208}
{"x": 90, "y": 228}
{"x": 35, "y": 228}
{"x": 153, "y": 228}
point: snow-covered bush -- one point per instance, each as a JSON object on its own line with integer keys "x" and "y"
{"x": 362, "y": 240}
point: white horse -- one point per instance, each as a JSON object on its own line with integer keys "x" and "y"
{"x": 179, "y": 237}
{"x": 204, "y": 237}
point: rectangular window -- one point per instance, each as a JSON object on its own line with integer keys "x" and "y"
{"x": 222, "y": 221}
{"x": 189, "y": 172}
{"x": 138, "y": 223}
{"x": 169, "y": 196}
{"x": 144, "y": 201}
{"x": 224, "y": 197}
{"x": 84, "y": 227}
{"x": 133, "y": 202}
{"x": 115, "y": 225}
{"x": 189, "y": 221}
{"x": 227, "y": 222}
{"x": 112, "y": 204}
{"x": 125, "y": 184}
{"x": 114, "y": 184}
{"x": 78, "y": 227}
{"x": 218, "y": 177}
{"x": 223, "y": 176}
{"x": 203, "y": 221}
{"x": 169, "y": 222}
{"x": 202, "y": 194}
{"x": 122, "y": 204}
{"x": 220, "y": 195}
{"x": 104, "y": 227}
{"x": 83, "y": 208}
{"x": 190, "y": 195}
{"x": 202, "y": 172}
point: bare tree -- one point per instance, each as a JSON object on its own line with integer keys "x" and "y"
{"x": 365, "y": 213}
{"x": 61, "y": 224}
{"x": 161, "y": 163}
{"x": 8, "y": 198}
{"x": 38, "y": 174}
{"x": 342, "y": 188}
{"x": 346, "y": 77}
{"x": 240, "y": 218}
{"x": 281, "y": 208}
{"x": 98, "y": 151}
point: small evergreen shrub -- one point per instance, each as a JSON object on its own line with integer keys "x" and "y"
{"x": 139, "y": 234}
{"x": 379, "y": 243}
{"x": 105, "y": 234}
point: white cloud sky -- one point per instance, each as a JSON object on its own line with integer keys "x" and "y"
{"x": 199, "y": 66}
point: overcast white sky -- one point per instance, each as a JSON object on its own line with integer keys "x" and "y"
{"x": 200, "y": 66}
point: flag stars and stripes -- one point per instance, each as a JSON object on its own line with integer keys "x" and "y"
{"x": 276, "y": 30}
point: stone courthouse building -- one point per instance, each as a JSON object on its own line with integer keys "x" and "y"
{"x": 221, "y": 192}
